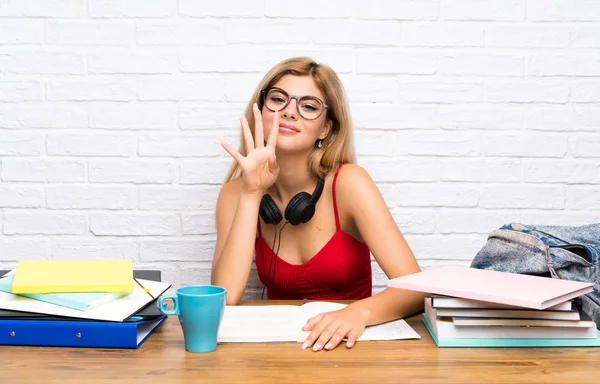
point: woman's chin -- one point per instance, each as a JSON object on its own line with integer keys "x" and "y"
{"x": 292, "y": 148}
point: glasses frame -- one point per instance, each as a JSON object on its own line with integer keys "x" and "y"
{"x": 290, "y": 97}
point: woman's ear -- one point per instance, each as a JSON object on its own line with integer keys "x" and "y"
{"x": 326, "y": 129}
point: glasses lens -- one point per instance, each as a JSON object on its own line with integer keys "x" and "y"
{"x": 276, "y": 100}
{"x": 310, "y": 108}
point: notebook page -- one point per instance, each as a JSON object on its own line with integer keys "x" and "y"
{"x": 259, "y": 323}
{"x": 394, "y": 330}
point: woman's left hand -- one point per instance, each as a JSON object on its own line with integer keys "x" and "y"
{"x": 329, "y": 328}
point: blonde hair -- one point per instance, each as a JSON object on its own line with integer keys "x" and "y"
{"x": 337, "y": 146}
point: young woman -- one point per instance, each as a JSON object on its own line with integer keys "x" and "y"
{"x": 295, "y": 169}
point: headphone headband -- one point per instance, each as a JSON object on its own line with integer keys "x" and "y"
{"x": 318, "y": 190}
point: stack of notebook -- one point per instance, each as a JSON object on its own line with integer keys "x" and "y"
{"x": 85, "y": 303}
{"x": 482, "y": 308}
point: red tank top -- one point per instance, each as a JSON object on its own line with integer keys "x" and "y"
{"x": 341, "y": 270}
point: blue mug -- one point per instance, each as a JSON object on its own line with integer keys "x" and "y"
{"x": 200, "y": 309}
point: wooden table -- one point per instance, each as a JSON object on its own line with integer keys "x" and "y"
{"x": 163, "y": 359}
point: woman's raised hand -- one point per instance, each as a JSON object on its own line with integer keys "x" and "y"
{"x": 259, "y": 166}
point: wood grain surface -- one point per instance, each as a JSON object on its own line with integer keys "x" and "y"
{"x": 163, "y": 359}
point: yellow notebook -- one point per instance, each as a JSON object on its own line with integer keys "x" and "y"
{"x": 58, "y": 276}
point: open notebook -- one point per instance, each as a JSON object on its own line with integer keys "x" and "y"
{"x": 278, "y": 323}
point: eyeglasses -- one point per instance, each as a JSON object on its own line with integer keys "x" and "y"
{"x": 309, "y": 107}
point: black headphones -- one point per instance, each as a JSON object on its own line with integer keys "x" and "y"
{"x": 300, "y": 209}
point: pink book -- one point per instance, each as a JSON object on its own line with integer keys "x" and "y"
{"x": 492, "y": 286}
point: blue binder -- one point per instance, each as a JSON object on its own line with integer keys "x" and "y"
{"x": 78, "y": 333}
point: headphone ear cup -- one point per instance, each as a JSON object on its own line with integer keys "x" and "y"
{"x": 300, "y": 209}
{"x": 269, "y": 211}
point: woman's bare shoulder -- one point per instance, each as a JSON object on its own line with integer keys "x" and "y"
{"x": 354, "y": 187}
{"x": 352, "y": 176}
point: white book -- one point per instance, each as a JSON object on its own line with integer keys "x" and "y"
{"x": 441, "y": 301}
{"x": 281, "y": 323}
{"x": 493, "y": 322}
{"x": 508, "y": 313}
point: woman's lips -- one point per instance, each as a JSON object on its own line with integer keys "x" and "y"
{"x": 284, "y": 128}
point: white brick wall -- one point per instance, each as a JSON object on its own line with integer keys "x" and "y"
{"x": 469, "y": 113}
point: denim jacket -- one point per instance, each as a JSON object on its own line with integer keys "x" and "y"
{"x": 571, "y": 253}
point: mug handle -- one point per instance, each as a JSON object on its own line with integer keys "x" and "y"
{"x": 163, "y": 308}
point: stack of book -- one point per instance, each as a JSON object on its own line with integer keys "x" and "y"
{"x": 81, "y": 303}
{"x": 483, "y": 308}
{"x": 454, "y": 322}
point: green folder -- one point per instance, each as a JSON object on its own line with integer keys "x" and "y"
{"x": 508, "y": 342}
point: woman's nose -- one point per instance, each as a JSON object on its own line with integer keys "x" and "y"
{"x": 291, "y": 110}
